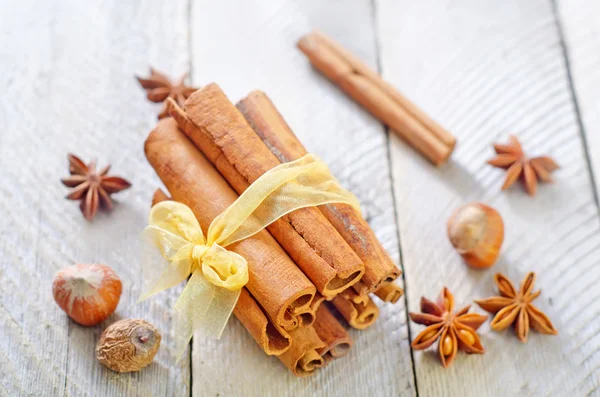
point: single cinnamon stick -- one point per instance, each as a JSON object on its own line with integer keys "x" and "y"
{"x": 337, "y": 340}
{"x": 272, "y": 129}
{"x": 272, "y": 340}
{"x": 302, "y": 358}
{"x": 390, "y": 292}
{"x": 280, "y": 288}
{"x": 363, "y": 69}
{"x": 216, "y": 127}
{"x": 358, "y": 310}
{"x": 383, "y": 101}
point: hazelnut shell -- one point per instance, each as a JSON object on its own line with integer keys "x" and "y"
{"x": 89, "y": 294}
{"x": 128, "y": 345}
{"x": 476, "y": 231}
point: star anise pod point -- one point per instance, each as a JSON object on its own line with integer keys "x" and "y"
{"x": 514, "y": 307}
{"x": 93, "y": 188}
{"x": 454, "y": 330}
{"x": 159, "y": 87}
{"x": 517, "y": 165}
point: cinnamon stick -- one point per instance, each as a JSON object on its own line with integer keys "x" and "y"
{"x": 366, "y": 87}
{"x": 270, "y": 126}
{"x": 316, "y": 303}
{"x": 337, "y": 340}
{"x": 216, "y": 127}
{"x": 302, "y": 358}
{"x": 358, "y": 310}
{"x": 158, "y": 196}
{"x": 309, "y": 315}
{"x": 272, "y": 340}
{"x": 390, "y": 292}
{"x": 280, "y": 288}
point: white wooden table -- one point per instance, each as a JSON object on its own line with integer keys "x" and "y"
{"x": 482, "y": 68}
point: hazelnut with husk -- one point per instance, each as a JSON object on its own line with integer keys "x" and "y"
{"x": 128, "y": 345}
{"x": 89, "y": 294}
{"x": 477, "y": 231}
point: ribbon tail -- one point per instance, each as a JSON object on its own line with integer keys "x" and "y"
{"x": 162, "y": 272}
{"x": 175, "y": 273}
{"x": 222, "y": 306}
{"x": 201, "y": 306}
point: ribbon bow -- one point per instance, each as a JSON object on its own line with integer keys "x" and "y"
{"x": 218, "y": 275}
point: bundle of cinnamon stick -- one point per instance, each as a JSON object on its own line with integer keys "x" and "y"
{"x": 209, "y": 152}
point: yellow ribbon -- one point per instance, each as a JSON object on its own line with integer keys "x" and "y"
{"x": 218, "y": 275}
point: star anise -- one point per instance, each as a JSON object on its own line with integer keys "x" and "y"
{"x": 158, "y": 88}
{"x": 92, "y": 187}
{"x": 512, "y": 158}
{"x": 513, "y": 307}
{"x": 453, "y": 330}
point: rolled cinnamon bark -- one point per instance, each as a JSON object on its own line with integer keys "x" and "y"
{"x": 309, "y": 315}
{"x": 316, "y": 303}
{"x": 358, "y": 310}
{"x": 337, "y": 340}
{"x": 272, "y": 129}
{"x": 390, "y": 292}
{"x": 366, "y": 87}
{"x": 215, "y": 126}
{"x": 274, "y": 341}
{"x": 302, "y": 358}
{"x": 280, "y": 288}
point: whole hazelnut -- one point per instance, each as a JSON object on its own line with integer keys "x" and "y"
{"x": 476, "y": 231}
{"x": 87, "y": 293}
{"x": 128, "y": 345}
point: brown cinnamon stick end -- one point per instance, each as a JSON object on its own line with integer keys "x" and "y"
{"x": 377, "y": 276}
{"x": 390, "y": 292}
{"x": 337, "y": 340}
{"x": 158, "y": 196}
{"x": 302, "y": 357}
{"x": 306, "y": 43}
{"x": 326, "y": 61}
{"x": 359, "y": 311}
{"x": 442, "y": 158}
{"x": 272, "y": 340}
{"x": 308, "y": 363}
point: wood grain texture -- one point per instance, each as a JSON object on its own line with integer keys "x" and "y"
{"x": 482, "y": 68}
{"x": 255, "y": 49}
{"x": 581, "y": 34}
{"x": 485, "y": 69}
{"x": 67, "y": 76}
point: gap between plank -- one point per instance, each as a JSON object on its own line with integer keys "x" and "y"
{"x": 575, "y": 100}
{"x": 191, "y": 77}
{"x": 391, "y": 174}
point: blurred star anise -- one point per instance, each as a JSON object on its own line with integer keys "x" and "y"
{"x": 159, "y": 87}
{"x": 512, "y": 158}
{"x": 515, "y": 308}
{"x": 453, "y": 330}
{"x": 92, "y": 187}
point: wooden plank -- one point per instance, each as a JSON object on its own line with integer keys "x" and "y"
{"x": 582, "y": 42}
{"x": 255, "y": 48}
{"x": 486, "y": 69}
{"x": 68, "y": 86}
